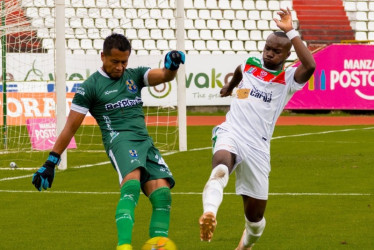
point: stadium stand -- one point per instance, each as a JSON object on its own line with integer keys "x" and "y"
{"x": 212, "y": 27}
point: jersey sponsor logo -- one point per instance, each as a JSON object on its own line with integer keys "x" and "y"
{"x": 266, "y": 97}
{"x": 124, "y": 103}
{"x": 80, "y": 91}
{"x": 110, "y": 91}
{"x": 263, "y": 75}
{"x": 131, "y": 86}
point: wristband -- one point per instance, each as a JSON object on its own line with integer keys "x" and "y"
{"x": 292, "y": 34}
{"x": 54, "y": 158}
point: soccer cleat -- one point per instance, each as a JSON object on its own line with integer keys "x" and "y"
{"x": 124, "y": 247}
{"x": 240, "y": 245}
{"x": 207, "y": 223}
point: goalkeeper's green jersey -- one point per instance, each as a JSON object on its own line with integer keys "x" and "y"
{"x": 115, "y": 104}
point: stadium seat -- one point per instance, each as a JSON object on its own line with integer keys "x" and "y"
{"x": 118, "y": 31}
{"x": 255, "y": 35}
{"x": 131, "y": 13}
{"x": 44, "y": 12}
{"x": 261, "y": 5}
{"x": 86, "y": 44}
{"x": 106, "y": 13}
{"x": 89, "y": 3}
{"x": 211, "y": 4}
{"x": 237, "y": 45}
{"x": 243, "y": 35}
{"x": 188, "y": 4}
{"x": 224, "y": 4}
{"x": 168, "y": 34}
{"x": 155, "y": 13}
{"x": 200, "y": 24}
{"x": 262, "y": 24}
{"x": 273, "y": 5}
{"x": 237, "y": 24}
{"x": 250, "y": 25}
{"x": 163, "y": 23}
{"x": 156, "y": 34}
{"x": 162, "y": 45}
{"x": 230, "y": 35}
{"x": 199, "y": 45}
{"x": 113, "y": 23}
{"x": 225, "y": 24}
{"x": 193, "y": 34}
{"x": 241, "y": 14}
{"x": 218, "y": 34}
{"x": 73, "y": 44}
{"x": 88, "y": 23}
{"x": 37, "y": 22}
{"x": 131, "y": 34}
{"x": 150, "y": 23}
{"x": 229, "y": 14}
{"x": 198, "y": 4}
{"x": 43, "y": 33}
{"x": 49, "y": 22}
{"x": 361, "y": 36}
{"x": 206, "y": 34}
{"x": 254, "y": 15}
{"x": 143, "y": 34}
{"x": 192, "y": 14}
{"x": 149, "y": 44}
{"x": 77, "y": 3}
{"x": 236, "y": 4}
{"x": 188, "y": 45}
{"x": 94, "y": 13}
{"x": 101, "y": 3}
{"x": 212, "y": 45}
{"x": 168, "y": 13}
{"x": 248, "y": 5}
{"x": 204, "y": 14}
{"x": 100, "y": 23}
{"x": 212, "y": 24}
{"x": 250, "y": 45}
{"x": 224, "y": 45}
{"x": 48, "y": 43}
{"x": 114, "y": 4}
{"x": 81, "y": 33}
{"x": 93, "y": 33}
{"x": 138, "y": 23}
{"x": 81, "y": 12}
{"x": 143, "y": 13}
{"x": 216, "y": 14}
{"x": 137, "y": 44}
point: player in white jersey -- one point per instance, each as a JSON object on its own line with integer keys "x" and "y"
{"x": 242, "y": 142}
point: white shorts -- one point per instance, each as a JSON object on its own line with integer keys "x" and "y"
{"x": 252, "y": 166}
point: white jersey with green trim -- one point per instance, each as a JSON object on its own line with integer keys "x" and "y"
{"x": 115, "y": 104}
{"x": 260, "y": 98}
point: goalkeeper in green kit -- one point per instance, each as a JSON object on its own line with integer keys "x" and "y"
{"x": 113, "y": 96}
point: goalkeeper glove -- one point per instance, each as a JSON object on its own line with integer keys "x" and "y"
{"x": 173, "y": 59}
{"x": 43, "y": 178}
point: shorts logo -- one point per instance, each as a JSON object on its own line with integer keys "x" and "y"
{"x": 133, "y": 153}
{"x": 131, "y": 86}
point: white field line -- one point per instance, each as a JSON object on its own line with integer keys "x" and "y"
{"x": 186, "y": 193}
{"x": 195, "y": 149}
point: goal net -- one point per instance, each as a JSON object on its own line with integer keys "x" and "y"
{"x": 28, "y": 96}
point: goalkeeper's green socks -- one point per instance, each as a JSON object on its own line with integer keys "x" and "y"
{"x": 160, "y": 220}
{"x": 125, "y": 211}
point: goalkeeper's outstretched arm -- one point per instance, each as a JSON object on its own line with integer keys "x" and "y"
{"x": 73, "y": 122}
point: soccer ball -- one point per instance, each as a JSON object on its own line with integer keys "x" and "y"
{"x": 13, "y": 165}
{"x": 159, "y": 243}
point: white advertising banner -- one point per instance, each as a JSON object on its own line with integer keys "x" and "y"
{"x": 205, "y": 76}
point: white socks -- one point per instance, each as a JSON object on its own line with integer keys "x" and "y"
{"x": 213, "y": 190}
{"x": 253, "y": 231}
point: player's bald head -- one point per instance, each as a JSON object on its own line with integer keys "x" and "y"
{"x": 281, "y": 38}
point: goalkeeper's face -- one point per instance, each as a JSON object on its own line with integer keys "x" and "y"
{"x": 276, "y": 51}
{"x": 115, "y": 64}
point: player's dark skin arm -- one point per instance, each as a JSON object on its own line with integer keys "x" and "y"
{"x": 158, "y": 76}
{"x": 235, "y": 80}
{"x": 72, "y": 124}
{"x": 306, "y": 69}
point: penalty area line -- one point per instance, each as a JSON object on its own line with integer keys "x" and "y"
{"x": 187, "y": 193}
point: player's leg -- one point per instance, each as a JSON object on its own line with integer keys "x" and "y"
{"x": 128, "y": 162}
{"x": 157, "y": 188}
{"x": 252, "y": 182}
{"x": 222, "y": 164}
{"x": 255, "y": 222}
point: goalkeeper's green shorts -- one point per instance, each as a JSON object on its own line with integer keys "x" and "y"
{"x": 127, "y": 155}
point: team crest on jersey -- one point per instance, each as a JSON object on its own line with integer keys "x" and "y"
{"x": 131, "y": 86}
{"x": 133, "y": 153}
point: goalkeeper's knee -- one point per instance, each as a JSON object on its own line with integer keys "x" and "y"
{"x": 213, "y": 190}
{"x": 254, "y": 231}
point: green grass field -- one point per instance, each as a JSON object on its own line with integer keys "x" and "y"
{"x": 321, "y": 197}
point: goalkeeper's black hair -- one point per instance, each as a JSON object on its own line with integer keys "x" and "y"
{"x": 116, "y": 41}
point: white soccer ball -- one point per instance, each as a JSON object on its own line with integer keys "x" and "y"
{"x": 13, "y": 165}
